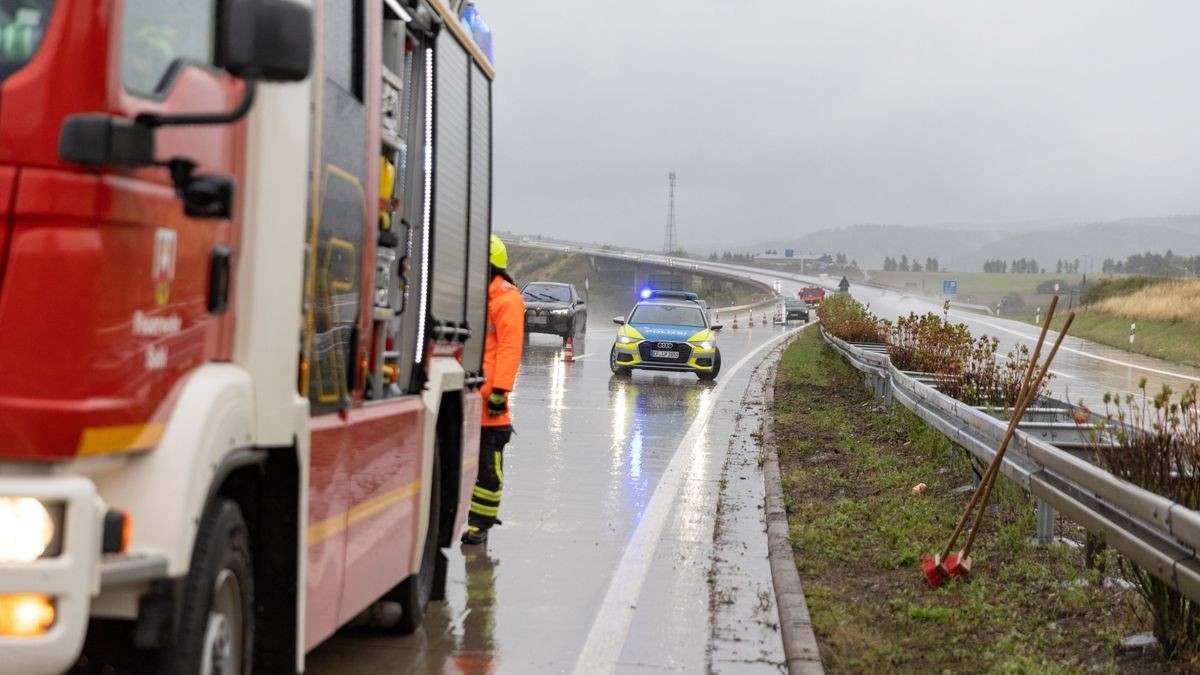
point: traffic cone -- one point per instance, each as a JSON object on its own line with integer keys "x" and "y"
{"x": 735, "y": 326}
{"x": 751, "y": 319}
{"x": 569, "y": 351}
{"x": 764, "y": 318}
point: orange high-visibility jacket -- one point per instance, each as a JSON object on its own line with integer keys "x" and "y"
{"x": 502, "y": 348}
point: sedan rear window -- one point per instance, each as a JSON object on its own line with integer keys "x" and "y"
{"x": 22, "y": 26}
{"x": 668, "y": 315}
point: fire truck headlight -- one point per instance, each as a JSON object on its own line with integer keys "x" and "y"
{"x": 25, "y": 615}
{"x": 28, "y": 529}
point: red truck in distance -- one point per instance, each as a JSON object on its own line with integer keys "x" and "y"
{"x": 813, "y": 295}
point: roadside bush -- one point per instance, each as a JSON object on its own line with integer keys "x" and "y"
{"x": 967, "y": 368}
{"x": 1154, "y": 443}
{"x": 1047, "y": 286}
{"x": 1111, "y": 288}
{"x": 930, "y": 344}
{"x": 986, "y": 381}
{"x": 847, "y": 319}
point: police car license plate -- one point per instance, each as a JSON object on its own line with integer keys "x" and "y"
{"x": 536, "y": 319}
{"x": 660, "y": 354}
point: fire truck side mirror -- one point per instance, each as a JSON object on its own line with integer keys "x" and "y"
{"x": 270, "y": 40}
{"x": 102, "y": 140}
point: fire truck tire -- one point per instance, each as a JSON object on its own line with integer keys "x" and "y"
{"x": 217, "y": 621}
{"x": 415, "y": 592}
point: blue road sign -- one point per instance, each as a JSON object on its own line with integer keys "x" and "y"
{"x": 789, "y": 253}
{"x": 950, "y": 287}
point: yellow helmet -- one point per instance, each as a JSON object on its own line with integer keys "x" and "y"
{"x": 499, "y": 254}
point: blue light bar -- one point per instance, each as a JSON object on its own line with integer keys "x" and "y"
{"x": 646, "y": 293}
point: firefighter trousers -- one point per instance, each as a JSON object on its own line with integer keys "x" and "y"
{"x": 485, "y": 500}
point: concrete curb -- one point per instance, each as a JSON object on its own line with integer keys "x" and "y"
{"x": 799, "y": 642}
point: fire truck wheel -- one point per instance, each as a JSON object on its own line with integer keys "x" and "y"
{"x": 216, "y": 627}
{"x": 415, "y": 592}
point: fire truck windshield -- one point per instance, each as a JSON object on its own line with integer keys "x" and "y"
{"x": 22, "y": 26}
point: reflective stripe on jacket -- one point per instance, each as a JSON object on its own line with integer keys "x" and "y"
{"x": 502, "y": 347}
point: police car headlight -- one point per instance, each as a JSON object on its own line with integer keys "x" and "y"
{"x": 622, "y": 340}
{"x": 705, "y": 344}
{"x": 560, "y": 312}
{"x": 27, "y": 527}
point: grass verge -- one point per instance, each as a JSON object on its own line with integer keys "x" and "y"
{"x": 859, "y": 532}
{"x": 1174, "y": 341}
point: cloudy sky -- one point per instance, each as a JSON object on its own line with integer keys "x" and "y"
{"x": 786, "y": 116}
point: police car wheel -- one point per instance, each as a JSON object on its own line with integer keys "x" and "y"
{"x": 716, "y": 369}
{"x": 612, "y": 363}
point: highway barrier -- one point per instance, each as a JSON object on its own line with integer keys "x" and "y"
{"x": 1158, "y": 535}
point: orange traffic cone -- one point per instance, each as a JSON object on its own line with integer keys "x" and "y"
{"x": 569, "y": 351}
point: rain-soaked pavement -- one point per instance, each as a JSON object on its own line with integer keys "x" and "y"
{"x": 610, "y": 557}
{"x": 1083, "y": 370}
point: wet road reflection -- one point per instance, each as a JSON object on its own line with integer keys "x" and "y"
{"x": 588, "y": 455}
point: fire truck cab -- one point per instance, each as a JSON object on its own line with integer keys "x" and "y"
{"x": 243, "y": 286}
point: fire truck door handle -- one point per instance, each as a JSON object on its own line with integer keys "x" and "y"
{"x": 219, "y": 271}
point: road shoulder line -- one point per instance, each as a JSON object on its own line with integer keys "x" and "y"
{"x": 606, "y": 638}
{"x": 799, "y": 642}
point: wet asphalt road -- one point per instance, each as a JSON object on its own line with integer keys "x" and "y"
{"x": 1083, "y": 370}
{"x": 606, "y": 559}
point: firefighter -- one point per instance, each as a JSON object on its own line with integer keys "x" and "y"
{"x": 501, "y": 359}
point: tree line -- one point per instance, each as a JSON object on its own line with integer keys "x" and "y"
{"x": 904, "y": 265}
{"x": 1019, "y": 266}
{"x": 1154, "y": 264}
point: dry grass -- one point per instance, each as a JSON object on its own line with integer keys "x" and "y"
{"x": 1176, "y": 301}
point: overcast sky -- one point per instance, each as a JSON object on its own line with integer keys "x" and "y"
{"x": 786, "y": 116}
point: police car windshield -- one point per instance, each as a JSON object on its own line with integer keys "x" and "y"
{"x": 668, "y": 315}
{"x": 546, "y": 293}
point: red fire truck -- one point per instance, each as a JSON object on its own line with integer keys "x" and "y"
{"x": 813, "y": 295}
{"x": 243, "y": 271}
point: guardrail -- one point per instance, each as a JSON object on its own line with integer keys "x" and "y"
{"x": 1159, "y": 535}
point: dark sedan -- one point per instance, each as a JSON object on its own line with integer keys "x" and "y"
{"x": 796, "y": 310}
{"x": 554, "y": 309}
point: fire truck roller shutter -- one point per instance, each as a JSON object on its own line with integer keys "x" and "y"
{"x": 481, "y": 217}
{"x": 451, "y": 164}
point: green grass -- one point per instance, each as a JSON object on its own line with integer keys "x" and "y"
{"x": 1176, "y": 342}
{"x": 1111, "y": 288}
{"x": 859, "y": 534}
{"x": 981, "y": 288}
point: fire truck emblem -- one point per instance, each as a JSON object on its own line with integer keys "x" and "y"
{"x": 164, "y": 265}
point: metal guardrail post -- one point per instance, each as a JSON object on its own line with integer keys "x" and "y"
{"x": 1045, "y": 522}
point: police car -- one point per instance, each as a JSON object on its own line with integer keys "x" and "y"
{"x": 667, "y": 330}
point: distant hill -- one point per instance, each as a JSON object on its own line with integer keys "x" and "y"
{"x": 1117, "y": 240}
{"x": 965, "y": 248}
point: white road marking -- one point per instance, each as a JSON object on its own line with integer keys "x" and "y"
{"x": 607, "y": 637}
{"x": 1052, "y": 372}
{"x": 1115, "y": 362}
